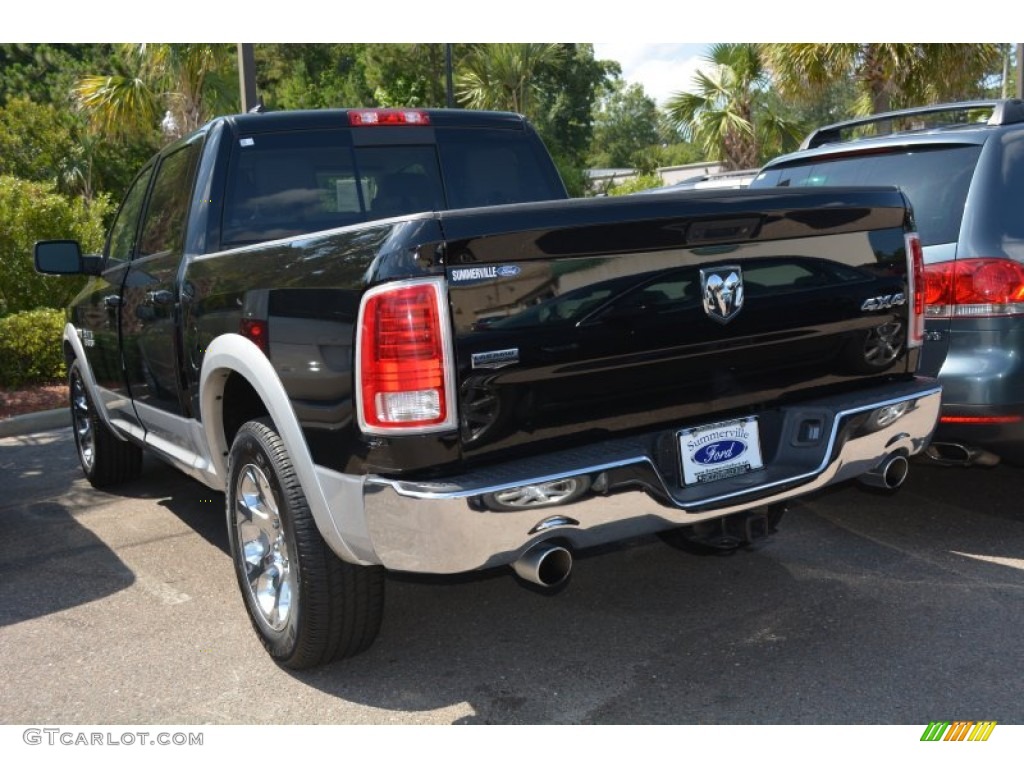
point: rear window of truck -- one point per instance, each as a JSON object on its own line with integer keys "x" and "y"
{"x": 292, "y": 183}
{"x": 934, "y": 179}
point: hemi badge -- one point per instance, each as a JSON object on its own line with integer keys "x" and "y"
{"x": 497, "y": 359}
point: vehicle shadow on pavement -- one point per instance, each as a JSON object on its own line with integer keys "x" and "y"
{"x": 48, "y": 560}
{"x": 827, "y": 623}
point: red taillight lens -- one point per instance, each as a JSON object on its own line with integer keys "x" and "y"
{"x": 403, "y": 349}
{"x": 365, "y": 117}
{"x": 917, "y": 290}
{"x": 1010, "y": 419}
{"x": 256, "y": 331}
{"x": 975, "y": 288}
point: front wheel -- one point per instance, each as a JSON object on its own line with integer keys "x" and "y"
{"x": 307, "y": 606}
{"x": 105, "y": 458}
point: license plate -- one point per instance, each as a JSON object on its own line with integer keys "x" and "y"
{"x": 718, "y": 451}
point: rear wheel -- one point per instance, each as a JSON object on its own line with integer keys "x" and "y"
{"x": 307, "y": 606}
{"x": 106, "y": 459}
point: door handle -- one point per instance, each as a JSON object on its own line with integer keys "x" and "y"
{"x": 160, "y": 298}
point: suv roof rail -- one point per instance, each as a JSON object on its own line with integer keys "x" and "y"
{"x": 1004, "y": 112}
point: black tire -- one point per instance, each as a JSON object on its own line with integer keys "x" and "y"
{"x": 308, "y": 607}
{"x": 106, "y": 459}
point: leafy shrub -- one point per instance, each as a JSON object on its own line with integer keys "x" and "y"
{"x": 636, "y": 184}
{"x": 30, "y": 348}
{"x": 31, "y": 211}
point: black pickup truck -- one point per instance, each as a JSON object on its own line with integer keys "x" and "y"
{"x": 393, "y": 344}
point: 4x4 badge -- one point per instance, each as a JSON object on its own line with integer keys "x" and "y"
{"x": 721, "y": 290}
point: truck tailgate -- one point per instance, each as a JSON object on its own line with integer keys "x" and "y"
{"x": 689, "y": 309}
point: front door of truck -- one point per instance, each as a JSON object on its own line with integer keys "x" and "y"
{"x": 98, "y": 317}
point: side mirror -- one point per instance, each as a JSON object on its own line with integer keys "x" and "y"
{"x": 59, "y": 257}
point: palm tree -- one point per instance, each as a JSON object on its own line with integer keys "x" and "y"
{"x": 887, "y": 75}
{"x": 176, "y": 86}
{"x": 503, "y": 75}
{"x": 728, "y": 113}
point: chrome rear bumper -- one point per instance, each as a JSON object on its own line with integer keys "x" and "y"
{"x": 457, "y": 524}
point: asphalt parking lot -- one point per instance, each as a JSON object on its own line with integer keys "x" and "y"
{"x": 122, "y": 609}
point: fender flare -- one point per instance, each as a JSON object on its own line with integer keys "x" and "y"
{"x": 232, "y": 353}
{"x": 73, "y": 340}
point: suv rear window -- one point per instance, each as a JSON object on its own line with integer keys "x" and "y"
{"x": 934, "y": 179}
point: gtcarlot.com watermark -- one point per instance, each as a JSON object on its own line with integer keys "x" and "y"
{"x": 71, "y": 738}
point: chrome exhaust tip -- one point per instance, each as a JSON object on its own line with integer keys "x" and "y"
{"x": 957, "y": 455}
{"x": 546, "y": 565}
{"x": 889, "y": 475}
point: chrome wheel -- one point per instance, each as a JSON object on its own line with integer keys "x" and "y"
{"x": 82, "y": 420}
{"x": 264, "y": 549}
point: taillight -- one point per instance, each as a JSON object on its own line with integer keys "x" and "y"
{"x": 975, "y": 288}
{"x": 365, "y": 117}
{"x": 917, "y": 289}
{"x": 256, "y": 331}
{"x": 403, "y": 361}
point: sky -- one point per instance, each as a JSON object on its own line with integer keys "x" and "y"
{"x": 661, "y": 68}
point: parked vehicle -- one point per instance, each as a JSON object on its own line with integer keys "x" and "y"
{"x": 723, "y": 180}
{"x": 328, "y": 316}
{"x": 962, "y": 167}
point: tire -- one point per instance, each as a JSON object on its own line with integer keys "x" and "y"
{"x": 308, "y": 607}
{"x": 106, "y": 459}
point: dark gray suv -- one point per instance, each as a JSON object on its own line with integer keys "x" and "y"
{"x": 962, "y": 167}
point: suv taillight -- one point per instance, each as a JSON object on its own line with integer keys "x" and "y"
{"x": 404, "y": 360}
{"x": 917, "y": 289}
{"x": 975, "y": 288}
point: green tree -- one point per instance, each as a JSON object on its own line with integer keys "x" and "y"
{"x": 885, "y": 75}
{"x": 173, "y": 86}
{"x": 41, "y": 142}
{"x": 30, "y": 211}
{"x": 503, "y": 76}
{"x": 728, "y": 114}
{"x": 406, "y": 74}
{"x": 568, "y": 88}
{"x": 625, "y": 127}
{"x": 45, "y": 73}
{"x": 313, "y": 75}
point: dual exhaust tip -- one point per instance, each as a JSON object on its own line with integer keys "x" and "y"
{"x": 549, "y": 565}
{"x": 546, "y": 565}
{"x": 890, "y": 474}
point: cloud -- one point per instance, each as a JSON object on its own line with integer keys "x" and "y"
{"x": 661, "y": 68}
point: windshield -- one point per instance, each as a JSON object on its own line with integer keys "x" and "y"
{"x": 934, "y": 179}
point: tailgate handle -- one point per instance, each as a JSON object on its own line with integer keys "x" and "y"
{"x": 722, "y": 230}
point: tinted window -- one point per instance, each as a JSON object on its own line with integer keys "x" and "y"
{"x": 493, "y": 167}
{"x": 935, "y": 180}
{"x": 285, "y": 184}
{"x": 291, "y": 183}
{"x": 121, "y": 244}
{"x": 163, "y": 230}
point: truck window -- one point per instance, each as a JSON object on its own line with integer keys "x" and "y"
{"x": 163, "y": 228}
{"x": 121, "y": 243}
{"x": 488, "y": 167}
{"x": 291, "y": 183}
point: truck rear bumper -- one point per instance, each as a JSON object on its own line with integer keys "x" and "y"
{"x": 622, "y": 488}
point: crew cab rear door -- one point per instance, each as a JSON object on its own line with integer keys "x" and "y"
{"x": 150, "y": 300}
